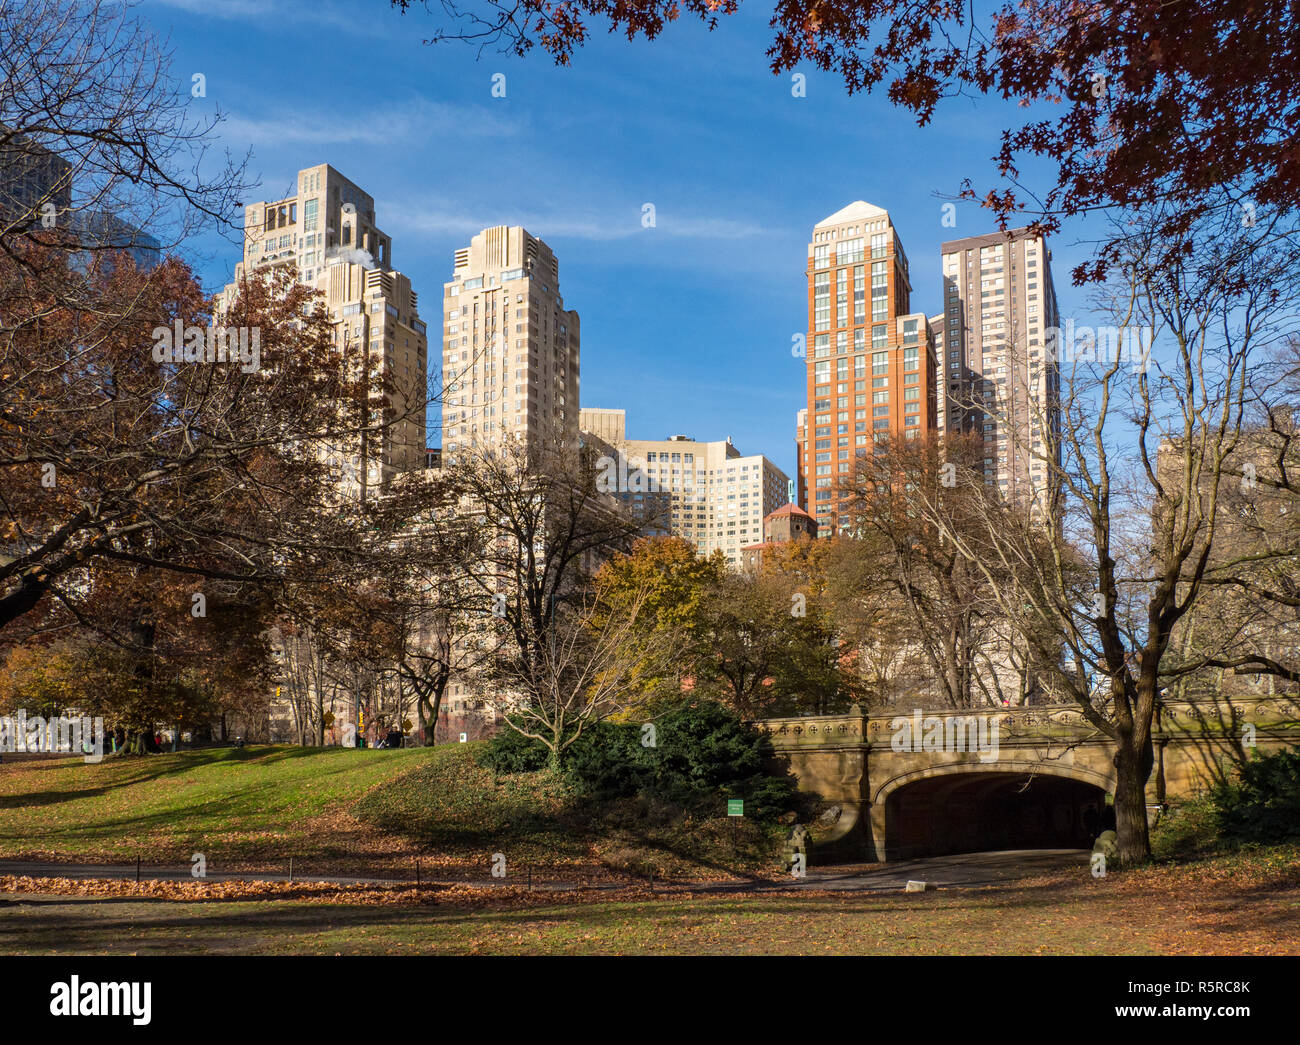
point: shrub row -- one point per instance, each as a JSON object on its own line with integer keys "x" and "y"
{"x": 701, "y": 755}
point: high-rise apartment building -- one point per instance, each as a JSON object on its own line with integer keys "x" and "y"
{"x": 36, "y": 194}
{"x": 35, "y": 185}
{"x": 870, "y": 360}
{"x": 102, "y": 231}
{"x": 999, "y": 379}
{"x": 719, "y": 497}
{"x": 708, "y": 493}
{"x": 510, "y": 348}
{"x": 325, "y": 233}
{"x": 800, "y": 440}
{"x": 937, "y": 339}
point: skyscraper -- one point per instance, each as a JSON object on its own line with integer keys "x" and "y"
{"x": 870, "y": 366}
{"x": 510, "y": 348}
{"x": 100, "y": 230}
{"x": 714, "y": 496}
{"x": 35, "y": 185}
{"x": 326, "y": 234}
{"x": 1000, "y": 383}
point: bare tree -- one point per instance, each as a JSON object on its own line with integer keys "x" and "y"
{"x": 421, "y": 600}
{"x": 545, "y": 529}
{"x": 583, "y": 670}
{"x": 305, "y": 675}
{"x": 944, "y": 602}
{"x": 1097, "y": 576}
{"x": 87, "y": 94}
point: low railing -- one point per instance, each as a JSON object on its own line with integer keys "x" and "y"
{"x": 1175, "y": 718}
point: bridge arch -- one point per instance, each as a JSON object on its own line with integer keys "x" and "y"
{"x": 1026, "y": 767}
{"x": 975, "y": 807}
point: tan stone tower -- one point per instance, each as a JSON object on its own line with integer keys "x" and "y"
{"x": 510, "y": 348}
{"x": 326, "y": 234}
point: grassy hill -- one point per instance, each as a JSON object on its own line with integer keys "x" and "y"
{"x": 450, "y": 804}
{"x": 343, "y": 811}
{"x": 249, "y": 804}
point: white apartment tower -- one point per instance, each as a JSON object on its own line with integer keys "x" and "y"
{"x": 996, "y": 377}
{"x": 326, "y": 234}
{"x": 510, "y": 348}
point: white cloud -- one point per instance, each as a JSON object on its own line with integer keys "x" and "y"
{"x": 610, "y": 226}
{"x": 259, "y": 10}
{"x": 386, "y": 126}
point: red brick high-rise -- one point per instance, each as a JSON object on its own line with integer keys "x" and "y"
{"x": 871, "y": 364}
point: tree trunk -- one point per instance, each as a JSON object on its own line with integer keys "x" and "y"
{"x": 555, "y": 761}
{"x": 429, "y": 704}
{"x": 141, "y": 743}
{"x": 1132, "y": 770}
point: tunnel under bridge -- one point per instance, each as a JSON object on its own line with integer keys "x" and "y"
{"x": 933, "y": 783}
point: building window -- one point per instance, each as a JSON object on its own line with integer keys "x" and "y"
{"x": 822, "y": 300}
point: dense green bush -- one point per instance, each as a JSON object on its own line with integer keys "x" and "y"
{"x": 509, "y": 751}
{"x": 703, "y": 754}
{"x": 704, "y": 750}
{"x": 606, "y": 761}
{"x": 1262, "y": 804}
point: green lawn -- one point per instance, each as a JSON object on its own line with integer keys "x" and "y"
{"x": 452, "y": 805}
{"x": 341, "y": 810}
{"x": 349, "y": 812}
{"x": 248, "y": 803}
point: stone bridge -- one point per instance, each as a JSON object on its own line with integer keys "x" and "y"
{"x": 914, "y": 784}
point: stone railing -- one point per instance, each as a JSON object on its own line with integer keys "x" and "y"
{"x": 815, "y": 730}
{"x": 1065, "y": 721}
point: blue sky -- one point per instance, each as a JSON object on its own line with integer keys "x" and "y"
{"x": 686, "y": 325}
